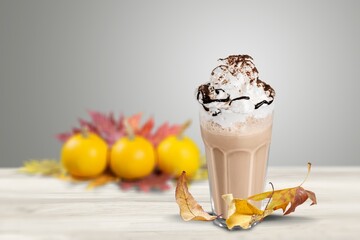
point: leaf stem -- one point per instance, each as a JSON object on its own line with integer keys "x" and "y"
{"x": 307, "y": 175}
{"x": 273, "y": 190}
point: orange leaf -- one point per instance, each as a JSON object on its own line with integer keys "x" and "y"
{"x": 134, "y": 121}
{"x": 189, "y": 208}
{"x": 102, "y": 180}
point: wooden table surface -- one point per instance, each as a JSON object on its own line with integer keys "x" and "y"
{"x": 33, "y": 207}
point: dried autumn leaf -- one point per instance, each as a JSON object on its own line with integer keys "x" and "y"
{"x": 63, "y": 137}
{"x": 102, "y": 180}
{"x": 146, "y": 129}
{"x": 287, "y": 198}
{"x": 189, "y": 208}
{"x": 281, "y": 199}
{"x": 48, "y": 167}
{"x": 241, "y": 212}
{"x": 134, "y": 121}
{"x": 164, "y": 131}
{"x": 104, "y": 125}
{"x": 111, "y": 129}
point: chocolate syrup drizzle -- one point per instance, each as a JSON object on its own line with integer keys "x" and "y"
{"x": 262, "y": 103}
{"x": 234, "y": 64}
{"x": 239, "y": 98}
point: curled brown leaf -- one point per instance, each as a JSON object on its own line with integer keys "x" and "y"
{"x": 189, "y": 208}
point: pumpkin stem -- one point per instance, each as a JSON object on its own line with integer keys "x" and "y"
{"x": 129, "y": 130}
{"x": 85, "y": 131}
{"x": 185, "y": 126}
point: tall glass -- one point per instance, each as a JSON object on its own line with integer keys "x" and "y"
{"x": 237, "y": 157}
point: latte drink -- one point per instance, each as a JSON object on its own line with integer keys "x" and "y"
{"x": 236, "y": 161}
{"x": 236, "y": 118}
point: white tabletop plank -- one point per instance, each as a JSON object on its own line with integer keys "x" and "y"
{"x": 33, "y": 207}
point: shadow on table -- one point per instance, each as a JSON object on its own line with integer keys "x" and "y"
{"x": 288, "y": 219}
{"x": 177, "y": 218}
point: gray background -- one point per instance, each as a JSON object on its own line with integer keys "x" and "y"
{"x": 59, "y": 59}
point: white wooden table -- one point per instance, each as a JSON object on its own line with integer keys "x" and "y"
{"x": 45, "y": 208}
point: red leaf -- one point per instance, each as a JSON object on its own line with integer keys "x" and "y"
{"x": 112, "y": 119}
{"x": 106, "y": 126}
{"x": 164, "y": 131}
{"x": 76, "y": 130}
{"x": 159, "y": 134}
{"x": 120, "y": 123}
{"x": 103, "y": 123}
{"x": 174, "y": 130}
{"x": 299, "y": 198}
{"x": 146, "y": 128}
{"x": 312, "y": 197}
{"x": 110, "y": 129}
{"x": 63, "y": 137}
{"x": 91, "y": 127}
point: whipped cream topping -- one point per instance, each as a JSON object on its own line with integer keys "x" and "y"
{"x": 235, "y": 89}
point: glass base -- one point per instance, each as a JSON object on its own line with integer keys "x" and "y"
{"x": 221, "y": 222}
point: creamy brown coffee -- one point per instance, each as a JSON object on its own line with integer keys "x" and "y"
{"x": 236, "y": 162}
{"x": 236, "y": 123}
